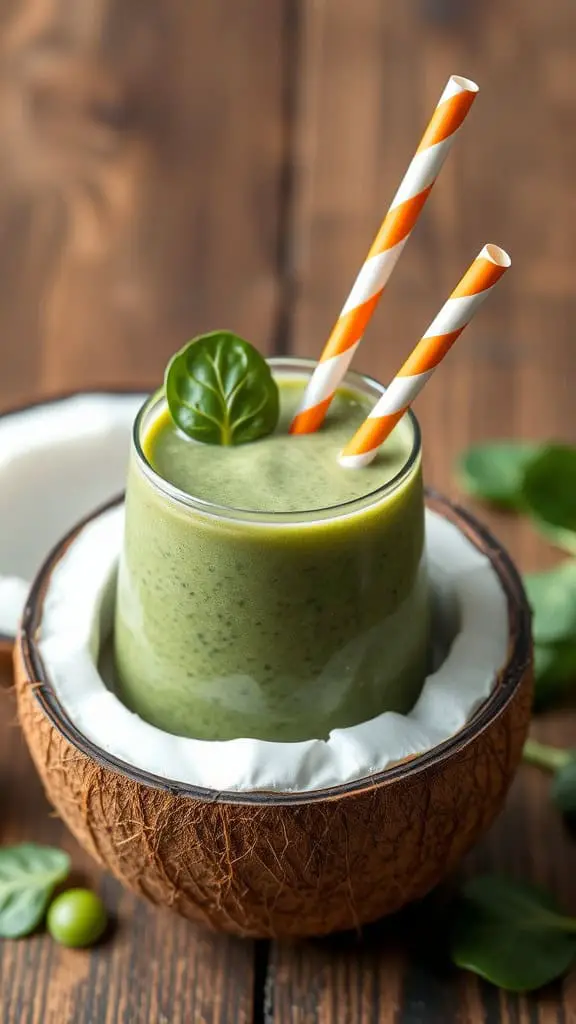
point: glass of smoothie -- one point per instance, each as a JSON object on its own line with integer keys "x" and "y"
{"x": 263, "y": 590}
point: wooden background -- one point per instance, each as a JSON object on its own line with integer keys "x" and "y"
{"x": 173, "y": 166}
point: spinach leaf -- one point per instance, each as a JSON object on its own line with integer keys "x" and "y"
{"x": 220, "y": 390}
{"x": 539, "y": 480}
{"x": 495, "y": 471}
{"x": 563, "y": 788}
{"x": 511, "y": 933}
{"x": 554, "y": 673}
{"x": 549, "y": 492}
{"x": 552, "y": 596}
{"x": 28, "y": 876}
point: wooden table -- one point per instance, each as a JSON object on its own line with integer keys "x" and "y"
{"x": 171, "y": 166}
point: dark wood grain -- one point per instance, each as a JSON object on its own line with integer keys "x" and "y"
{"x": 168, "y": 167}
{"x": 370, "y": 74}
{"x": 140, "y": 183}
{"x": 153, "y": 966}
{"x": 363, "y": 106}
{"x": 142, "y": 178}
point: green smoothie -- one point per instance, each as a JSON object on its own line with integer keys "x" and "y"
{"x": 263, "y": 589}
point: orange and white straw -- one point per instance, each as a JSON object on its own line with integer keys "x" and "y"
{"x": 456, "y": 313}
{"x": 452, "y": 107}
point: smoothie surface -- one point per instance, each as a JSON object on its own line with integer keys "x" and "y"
{"x": 280, "y": 472}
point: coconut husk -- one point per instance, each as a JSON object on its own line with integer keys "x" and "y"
{"x": 284, "y": 865}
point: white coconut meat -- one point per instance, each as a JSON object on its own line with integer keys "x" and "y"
{"x": 59, "y": 460}
{"x": 471, "y": 618}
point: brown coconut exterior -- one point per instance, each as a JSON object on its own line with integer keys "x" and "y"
{"x": 286, "y": 866}
{"x": 6, "y": 650}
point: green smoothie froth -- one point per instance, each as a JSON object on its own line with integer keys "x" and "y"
{"x": 280, "y": 472}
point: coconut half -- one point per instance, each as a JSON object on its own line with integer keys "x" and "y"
{"x": 73, "y": 450}
{"x": 283, "y": 863}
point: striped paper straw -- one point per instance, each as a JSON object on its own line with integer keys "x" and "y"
{"x": 453, "y": 105}
{"x": 456, "y": 313}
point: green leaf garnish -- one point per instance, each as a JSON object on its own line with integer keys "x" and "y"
{"x": 220, "y": 390}
{"x": 28, "y": 877}
{"x": 494, "y": 472}
{"x": 511, "y": 933}
{"x": 549, "y": 490}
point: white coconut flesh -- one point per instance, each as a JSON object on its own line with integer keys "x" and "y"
{"x": 471, "y": 613}
{"x": 58, "y": 461}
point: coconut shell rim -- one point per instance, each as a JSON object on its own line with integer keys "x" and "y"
{"x": 7, "y": 640}
{"x": 509, "y": 678}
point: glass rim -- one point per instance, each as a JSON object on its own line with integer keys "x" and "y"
{"x": 270, "y": 518}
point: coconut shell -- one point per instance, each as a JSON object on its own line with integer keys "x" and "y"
{"x": 6, "y": 650}
{"x": 284, "y": 865}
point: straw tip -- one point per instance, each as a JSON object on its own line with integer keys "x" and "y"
{"x": 465, "y": 84}
{"x": 496, "y": 255}
{"x": 356, "y": 461}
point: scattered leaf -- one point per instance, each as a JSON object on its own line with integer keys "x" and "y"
{"x": 540, "y": 480}
{"x": 554, "y": 673}
{"x": 552, "y": 596}
{"x": 563, "y": 539}
{"x": 544, "y": 756}
{"x": 563, "y": 788}
{"x": 511, "y": 933}
{"x": 494, "y": 472}
{"x": 549, "y": 490}
{"x": 220, "y": 390}
{"x": 28, "y": 876}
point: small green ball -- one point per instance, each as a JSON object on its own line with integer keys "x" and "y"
{"x": 77, "y": 918}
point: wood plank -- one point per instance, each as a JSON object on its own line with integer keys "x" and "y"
{"x": 98, "y": 278}
{"x": 369, "y": 76}
{"x": 140, "y": 180}
{"x": 154, "y": 966}
{"x": 141, "y": 173}
{"x": 362, "y": 108}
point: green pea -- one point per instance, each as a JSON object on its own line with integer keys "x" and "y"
{"x": 77, "y": 918}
